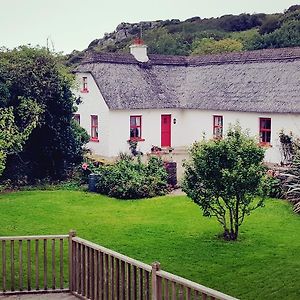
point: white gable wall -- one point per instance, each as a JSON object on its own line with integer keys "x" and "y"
{"x": 94, "y": 104}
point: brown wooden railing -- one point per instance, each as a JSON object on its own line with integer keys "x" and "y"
{"x": 33, "y": 264}
{"x": 100, "y": 273}
{"x": 39, "y": 264}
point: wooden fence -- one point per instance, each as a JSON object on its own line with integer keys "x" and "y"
{"x": 33, "y": 264}
{"x": 39, "y": 264}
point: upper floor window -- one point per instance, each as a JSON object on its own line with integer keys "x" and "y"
{"x": 76, "y": 118}
{"x": 94, "y": 128}
{"x": 218, "y": 127}
{"x": 135, "y": 127}
{"x": 264, "y": 130}
{"x": 84, "y": 85}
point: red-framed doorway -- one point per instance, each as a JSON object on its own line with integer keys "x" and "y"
{"x": 165, "y": 130}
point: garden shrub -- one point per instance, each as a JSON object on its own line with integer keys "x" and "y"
{"x": 223, "y": 177}
{"x": 271, "y": 185}
{"x": 131, "y": 179}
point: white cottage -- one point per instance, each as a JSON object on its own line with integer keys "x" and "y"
{"x": 171, "y": 101}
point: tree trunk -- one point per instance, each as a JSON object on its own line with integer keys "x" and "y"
{"x": 230, "y": 235}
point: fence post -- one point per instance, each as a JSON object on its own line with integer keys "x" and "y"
{"x": 154, "y": 284}
{"x": 72, "y": 233}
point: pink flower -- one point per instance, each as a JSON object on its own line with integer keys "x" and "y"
{"x": 84, "y": 166}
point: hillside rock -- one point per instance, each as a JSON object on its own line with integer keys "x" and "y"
{"x": 126, "y": 31}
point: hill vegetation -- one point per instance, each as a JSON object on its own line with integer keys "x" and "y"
{"x": 196, "y": 36}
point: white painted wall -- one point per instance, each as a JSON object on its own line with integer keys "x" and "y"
{"x": 190, "y": 125}
{"x": 94, "y": 104}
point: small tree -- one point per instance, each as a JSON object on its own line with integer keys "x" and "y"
{"x": 223, "y": 178}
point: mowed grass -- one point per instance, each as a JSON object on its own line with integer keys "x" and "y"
{"x": 263, "y": 264}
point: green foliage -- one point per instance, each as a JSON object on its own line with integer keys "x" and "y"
{"x": 211, "y": 46}
{"x": 55, "y": 145}
{"x": 271, "y": 23}
{"x": 249, "y": 38}
{"x": 271, "y": 186}
{"x": 241, "y": 22}
{"x": 288, "y": 35}
{"x": 223, "y": 178}
{"x": 12, "y": 138}
{"x": 129, "y": 179}
{"x": 160, "y": 41}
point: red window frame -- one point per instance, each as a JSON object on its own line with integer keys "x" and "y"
{"x": 218, "y": 126}
{"x": 84, "y": 85}
{"x": 94, "y": 128}
{"x": 265, "y": 128}
{"x": 135, "y": 130}
{"x": 76, "y": 118}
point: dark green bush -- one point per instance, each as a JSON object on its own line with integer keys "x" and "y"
{"x": 131, "y": 179}
{"x": 271, "y": 186}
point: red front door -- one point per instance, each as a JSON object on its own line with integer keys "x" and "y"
{"x": 165, "y": 130}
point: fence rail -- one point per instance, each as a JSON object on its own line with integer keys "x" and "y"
{"x": 32, "y": 263}
{"x": 39, "y": 264}
{"x": 100, "y": 273}
{"x": 175, "y": 287}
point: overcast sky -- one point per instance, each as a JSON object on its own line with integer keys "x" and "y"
{"x": 73, "y": 24}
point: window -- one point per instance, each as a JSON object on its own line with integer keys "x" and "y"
{"x": 76, "y": 118}
{"x": 265, "y": 130}
{"x": 94, "y": 128}
{"x": 84, "y": 85}
{"x": 218, "y": 127}
{"x": 135, "y": 127}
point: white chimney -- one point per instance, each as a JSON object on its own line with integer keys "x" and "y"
{"x": 139, "y": 50}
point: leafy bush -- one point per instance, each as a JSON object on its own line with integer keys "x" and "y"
{"x": 271, "y": 23}
{"x": 223, "y": 177}
{"x": 288, "y": 35}
{"x": 210, "y": 46}
{"x": 271, "y": 185}
{"x": 130, "y": 179}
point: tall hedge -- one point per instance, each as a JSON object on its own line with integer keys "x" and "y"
{"x": 54, "y": 145}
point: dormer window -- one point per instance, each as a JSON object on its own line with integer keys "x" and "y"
{"x": 84, "y": 85}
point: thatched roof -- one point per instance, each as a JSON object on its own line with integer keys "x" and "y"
{"x": 255, "y": 81}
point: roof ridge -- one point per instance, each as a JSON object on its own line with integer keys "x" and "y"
{"x": 261, "y": 55}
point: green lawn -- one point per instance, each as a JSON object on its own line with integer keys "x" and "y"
{"x": 263, "y": 264}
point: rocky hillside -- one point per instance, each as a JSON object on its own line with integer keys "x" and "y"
{"x": 196, "y": 36}
{"x": 126, "y": 31}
